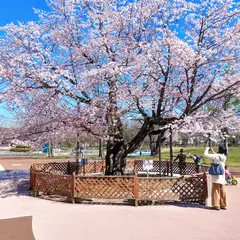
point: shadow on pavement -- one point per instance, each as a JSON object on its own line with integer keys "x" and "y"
{"x": 188, "y": 205}
{"x": 14, "y": 183}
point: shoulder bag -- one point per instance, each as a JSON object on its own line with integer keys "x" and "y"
{"x": 216, "y": 169}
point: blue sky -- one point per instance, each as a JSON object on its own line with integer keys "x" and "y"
{"x": 19, "y": 10}
{"x": 14, "y": 11}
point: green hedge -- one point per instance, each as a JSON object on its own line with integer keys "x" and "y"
{"x": 25, "y": 149}
{"x": 21, "y": 146}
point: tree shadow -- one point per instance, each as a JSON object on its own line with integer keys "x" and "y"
{"x": 188, "y": 205}
{"x": 63, "y": 199}
{"x": 14, "y": 183}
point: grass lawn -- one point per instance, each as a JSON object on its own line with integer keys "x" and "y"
{"x": 233, "y": 159}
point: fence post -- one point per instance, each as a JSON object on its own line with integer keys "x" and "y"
{"x": 77, "y": 167}
{"x": 167, "y": 168}
{"x": 95, "y": 167}
{"x": 138, "y": 166}
{"x": 208, "y": 189}
{"x": 135, "y": 188}
{"x": 103, "y": 167}
{"x": 33, "y": 183}
{"x": 69, "y": 172}
{"x": 83, "y": 163}
{"x": 31, "y": 178}
{"x": 73, "y": 188}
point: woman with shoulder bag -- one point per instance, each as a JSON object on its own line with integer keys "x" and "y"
{"x": 218, "y": 177}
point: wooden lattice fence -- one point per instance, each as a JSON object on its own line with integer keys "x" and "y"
{"x": 93, "y": 167}
{"x": 53, "y": 167}
{"x": 52, "y": 184}
{"x": 162, "y": 168}
{"x": 186, "y": 189}
{"x": 70, "y": 167}
{"x": 104, "y": 187}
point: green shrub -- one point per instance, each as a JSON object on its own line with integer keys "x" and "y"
{"x": 25, "y": 149}
{"x": 21, "y": 146}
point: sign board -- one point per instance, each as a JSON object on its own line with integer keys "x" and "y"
{"x": 147, "y": 165}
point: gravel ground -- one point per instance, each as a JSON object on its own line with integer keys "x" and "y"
{"x": 63, "y": 221}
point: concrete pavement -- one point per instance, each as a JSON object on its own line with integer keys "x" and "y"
{"x": 64, "y": 221}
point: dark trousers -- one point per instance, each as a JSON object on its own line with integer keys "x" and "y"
{"x": 182, "y": 168}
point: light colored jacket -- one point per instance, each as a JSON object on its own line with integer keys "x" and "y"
{"x": 217, "y": 159}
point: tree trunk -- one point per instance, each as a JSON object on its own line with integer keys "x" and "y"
{"x": 153, "y": 148}
{"x": 50, "y": 149}
{"x": 115, "y": 142}
{"x": 155, "y": 142}
{"x": 171, "y": 151}
{"x": 77, "y": 148}
{"x": 209, "y": 141}
{"x": 117, "y": 150}
{"x": 100, "y": 148}
{"x": 115, "y": 158}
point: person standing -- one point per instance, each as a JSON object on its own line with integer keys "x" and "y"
{"x": 181, "y": 157}
{"x": 218, "y": 181}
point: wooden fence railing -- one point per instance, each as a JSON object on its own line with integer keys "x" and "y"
{"x": 68, "y": 168}
{"x": 53, "y": 184}
{"x": 188, "y": 189}
{"x": 162, "y": 168}
{"x": 110, "y": 187}
{"x": 185, "y": 189}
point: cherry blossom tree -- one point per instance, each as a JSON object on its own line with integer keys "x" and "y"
{"x": 43, "y": 118}
{"x": 158, "y": 61}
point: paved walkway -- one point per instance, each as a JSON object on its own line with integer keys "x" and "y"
{"x": 23, "y": 163}
{"x": 16, "y": 229}
{"x": 62, "y": 221}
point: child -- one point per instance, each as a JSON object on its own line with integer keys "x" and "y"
{"x": 197, "y": 160}
{"x": 228, "y": 175}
